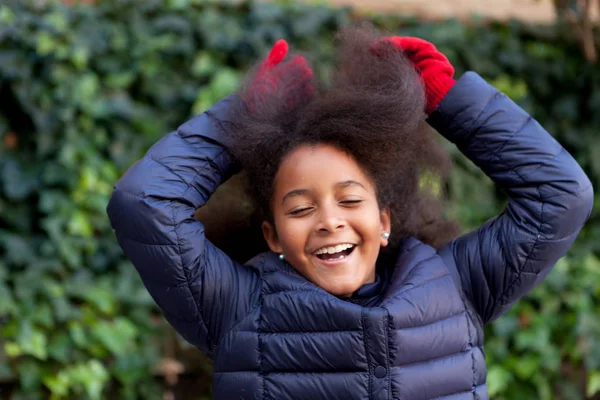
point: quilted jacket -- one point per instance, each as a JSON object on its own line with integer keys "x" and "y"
{"x": 274, "y": 335}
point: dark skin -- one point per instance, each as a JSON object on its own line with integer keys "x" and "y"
{"x": 368, "y": 128}
{"x": 322, "y": 201}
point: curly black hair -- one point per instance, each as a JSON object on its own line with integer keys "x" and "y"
{"x": 373, "y": 111}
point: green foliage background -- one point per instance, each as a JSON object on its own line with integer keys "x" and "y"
{"x": 86, "y": 89}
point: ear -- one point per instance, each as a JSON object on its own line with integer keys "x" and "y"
{"x": 386, "y": 225}
{"x": 270, "y": 234}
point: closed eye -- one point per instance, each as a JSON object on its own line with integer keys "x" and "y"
{"x": 299, "y": 211}
{"x": 351, "y": 202}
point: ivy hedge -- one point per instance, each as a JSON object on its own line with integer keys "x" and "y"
{"x": 85, "y": 89}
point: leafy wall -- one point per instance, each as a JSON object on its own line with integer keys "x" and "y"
{"x": 85, "y": 89}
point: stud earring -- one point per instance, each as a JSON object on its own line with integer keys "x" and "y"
{"x": 385, "y": 235}
{"x": 281, "y": 257}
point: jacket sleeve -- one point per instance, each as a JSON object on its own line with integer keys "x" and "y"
{"x": 200, "y": 290}
{"x": 550, "y": 197}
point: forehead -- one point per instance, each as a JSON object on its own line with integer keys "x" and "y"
{"x": 309, "y": 166}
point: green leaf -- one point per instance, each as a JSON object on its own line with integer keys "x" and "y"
{"x": 225, "y": 82}
{"x": 60, "y": 347}
{"x": 101, "y": 298}
{"x": 57, "y": 20}
{"x": 12, "y": 349}
{"x": 498, "y": 380}
{"x": 46, "y": 43}
{"x": 204, "y": 64}
{"x": 30, "y": 374}
{"x": 79, "y": 224}
{"x": 7, "y": 16}
{"x": 93, "y": 377}
{"x": 526, "y": 366}
{"x": 7, "y": 302}
{"x": 33, "y": 342}
{"x": 80, "y": 57}
{"x": 78, "y": 334}
{"x": 117, "y": 335}
{"x": 58, "y": 384}
{"x": 593, "y": 383}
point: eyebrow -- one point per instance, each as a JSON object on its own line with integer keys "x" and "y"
{"x": 350, "y": 182}
{"x": 294, "y": 193}
{"x": 301, "y": 192}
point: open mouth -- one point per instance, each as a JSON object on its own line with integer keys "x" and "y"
{"x": 335, "y": 253}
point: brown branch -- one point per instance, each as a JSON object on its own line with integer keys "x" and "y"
{"x": 581, "y": 22}
{"x": 589, "y": 48}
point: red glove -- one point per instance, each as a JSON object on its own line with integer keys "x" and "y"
{"x": 434, "y": 68}
{"x": 292, "y": 80}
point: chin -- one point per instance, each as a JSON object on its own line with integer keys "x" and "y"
{"x": 342, "y": 289}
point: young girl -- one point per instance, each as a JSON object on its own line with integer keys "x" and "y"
{"x": 326, "y": 314}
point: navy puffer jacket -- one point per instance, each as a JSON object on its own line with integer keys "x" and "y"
{"x": 274, "y": 335}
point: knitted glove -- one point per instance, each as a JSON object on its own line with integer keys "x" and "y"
{"x": 433, "y": 67}
{"x": 291, "y": 81}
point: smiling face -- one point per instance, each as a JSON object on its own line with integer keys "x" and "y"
{"x": 327, "y": 220}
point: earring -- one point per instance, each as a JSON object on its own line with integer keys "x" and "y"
{"x": 281, "y": 257}
{"x": 385, "y": 235}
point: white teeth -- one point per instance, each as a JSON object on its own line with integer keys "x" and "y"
{"x": 334, "y": 249}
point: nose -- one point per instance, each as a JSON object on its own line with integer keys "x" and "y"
{"x": 330, "y": 220}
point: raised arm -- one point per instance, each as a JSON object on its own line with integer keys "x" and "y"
{"x": 550, "y": 197}
{"x": 200, "y": 290}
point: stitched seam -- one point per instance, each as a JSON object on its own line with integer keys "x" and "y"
{"x": 294, "y": 372}
{"x": 407, "y": 249}
{"x": 430, "y": 323}
{"x": 249, "y": 313}
{"x": 541, "y": 164}
{"x": 306, "y": 333}
{"x": 187, "y": 321}
{"x": 452, "y": 394}
{"x": 316, "y": 291}
{"x": 213, "y": 166}
{"x": 470, "y": 346}
{"x": 505, "y": 257}
{"x": 230, "y": 331}
{"x": 217, "y": 120}
{"x": 504, "y": 294}
{"x": 144, "y": 243}
{"x": 368, "y": 353}
{"x": 261, "y": 350}
{"x": 187, "y": 278}
{"x": 389, "y": 339}
{"x": 431, "y": 257}
{"x": 137, "y": 196}
{"x": 451, "y": 120}
{"x": 210, "y": 140}
{"x": 481, "y": 263}
{"x": 414, "y": 363}
{"x": 496, "y": 154}
{"x": 421, "y": 285}
{"x": 588, "y": 187}
{"x": 470, "y": 130}
{"x": 170, "y": 170}
{"x": 211, "y": 116}
{"x": 234, "y": 372}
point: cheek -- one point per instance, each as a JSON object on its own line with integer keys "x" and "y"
{"x": 371, "y": 222}
{"x": 293, "y": 234}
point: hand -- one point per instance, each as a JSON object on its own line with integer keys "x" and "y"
{"x": 290, "y": 81}
{"x": 433, "y": 67}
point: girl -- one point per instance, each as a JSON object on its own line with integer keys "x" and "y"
{"x": 327, "y": 314}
